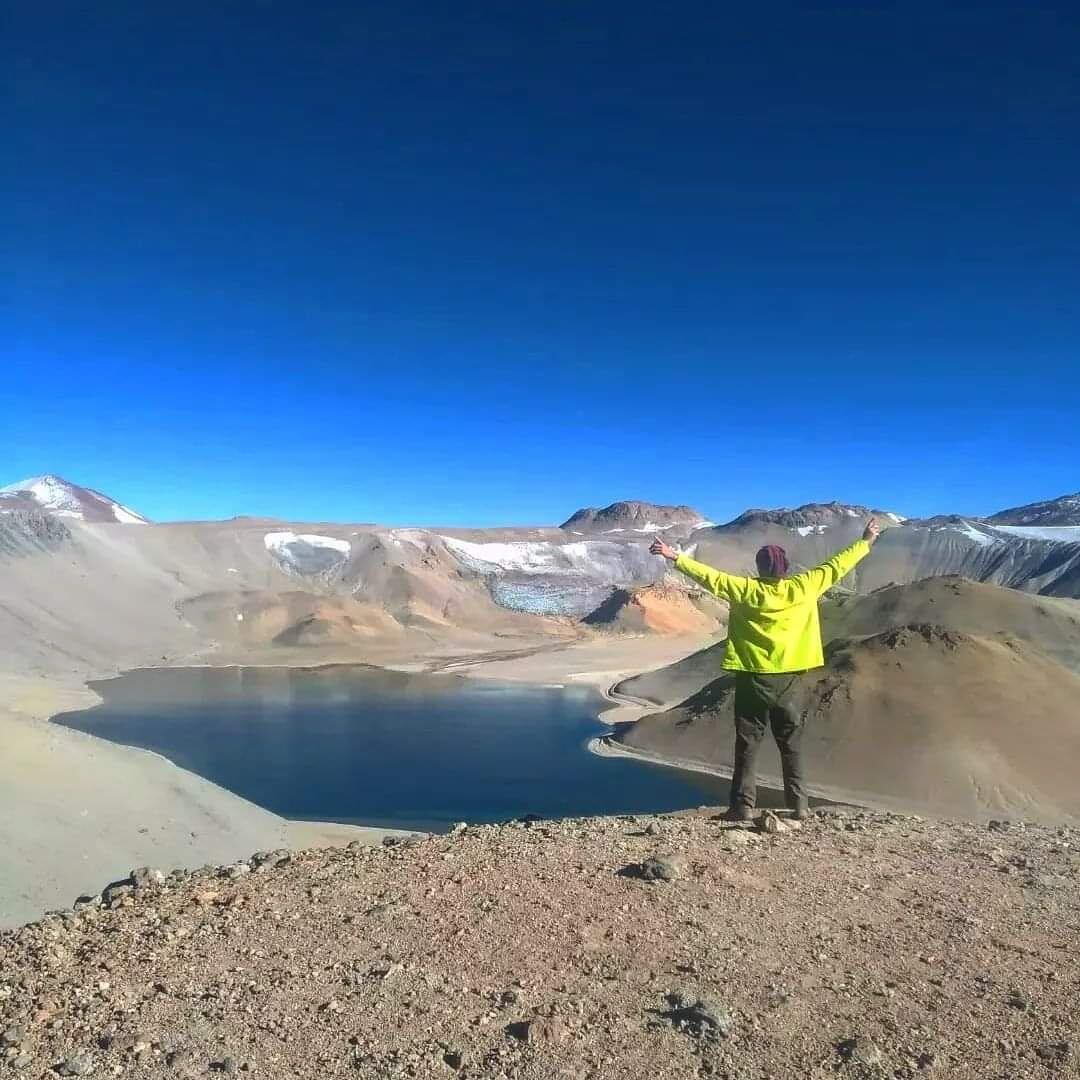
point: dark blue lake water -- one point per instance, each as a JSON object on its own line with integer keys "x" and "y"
{"x": 362, "y": 745}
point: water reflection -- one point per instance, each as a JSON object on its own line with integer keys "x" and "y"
{"x": 358, "y": 744}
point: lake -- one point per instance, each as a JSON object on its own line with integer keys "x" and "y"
{"x": 367, "y": 746}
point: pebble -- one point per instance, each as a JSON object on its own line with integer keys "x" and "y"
{"x": 13, "y": 1035}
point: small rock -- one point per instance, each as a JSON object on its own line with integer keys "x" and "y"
{"x": 661, "y": 868}
{"x": 861, "y": 1050}
{"x": 544, "y": 1029}
{"x": 700, "y": 1016}
{"x": 454, "y": 1058}
{"x": 13, "y": 1035}
{"x": 1019, "y": 1000}
{"x": 76, "y": 1065}
{"x": 237, "y": 870}
{"x": 652, "y": 829}
{"x": 116, "y": 891}
{"x": 146, "y": 877}
{"x": 1056, "y": 1053}
{"x": 271, "y": 860}
{"x": 23, "y": 1061}
{"x": 768, "y": 822}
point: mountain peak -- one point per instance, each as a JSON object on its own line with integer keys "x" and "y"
{"x": 632, "y": 515}
{"x": 62, "y": 498}
{"x": 816, "y": 516}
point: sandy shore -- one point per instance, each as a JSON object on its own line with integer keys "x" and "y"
{"x": 77, "y": 812}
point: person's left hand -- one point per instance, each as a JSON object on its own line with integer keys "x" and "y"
{"x": 659, "y": 547}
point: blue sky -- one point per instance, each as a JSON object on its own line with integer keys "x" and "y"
{"x": 487, "y": 263}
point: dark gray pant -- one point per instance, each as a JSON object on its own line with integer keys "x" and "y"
{"x": 762, "y": 701}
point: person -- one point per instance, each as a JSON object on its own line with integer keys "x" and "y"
{"x": 774, "y": 639}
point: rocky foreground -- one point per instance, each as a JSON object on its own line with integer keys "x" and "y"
{"x": 860, "y": 945}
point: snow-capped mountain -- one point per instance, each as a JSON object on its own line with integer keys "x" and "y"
{"x": 1062, "y": 511}
{"x": 58, "y": 496}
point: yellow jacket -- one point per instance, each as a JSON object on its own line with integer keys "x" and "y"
{"x": 774, "y": 625}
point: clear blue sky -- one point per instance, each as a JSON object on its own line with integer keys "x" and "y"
{"x": 488, "y": 262}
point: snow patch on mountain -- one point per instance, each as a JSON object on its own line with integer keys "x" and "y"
{"x": 603, "y": 559}
{"x": 1068, "y": 534}
{"x": 555, "y": 579}
{"x": 307, "y": 553}
{"x": 972, "y": 533}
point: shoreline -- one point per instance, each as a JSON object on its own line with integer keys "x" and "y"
{"x": 79, "y": 811}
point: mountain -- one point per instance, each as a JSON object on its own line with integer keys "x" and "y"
{"x": 1062, "y": 511}
{"x": 810, "y": 517}
{"x": 61, "y": 497}
{"x": 634, "y": 516}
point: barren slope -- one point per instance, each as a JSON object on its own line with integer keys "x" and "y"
{"x": 1048, "y": 624}
{"x": 660, "y": 608}
{"x": 917, "y": 717}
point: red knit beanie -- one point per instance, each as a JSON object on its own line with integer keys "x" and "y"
{"x": 772, "y": 561}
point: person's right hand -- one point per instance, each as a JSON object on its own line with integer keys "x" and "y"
{"x": 872, "y": 531}
{"x": 659, "y": 547}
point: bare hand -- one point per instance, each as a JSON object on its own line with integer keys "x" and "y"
{"x": 872, "y": 531}
{"x": 659, "y": 547}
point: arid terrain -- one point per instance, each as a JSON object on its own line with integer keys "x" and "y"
{"x": 861, "y": 945}
{"x": 867, "y": 943}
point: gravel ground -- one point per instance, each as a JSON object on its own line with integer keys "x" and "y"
{"x": 860, "y": 945}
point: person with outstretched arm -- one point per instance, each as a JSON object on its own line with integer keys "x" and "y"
{"x": 774, "y": 638}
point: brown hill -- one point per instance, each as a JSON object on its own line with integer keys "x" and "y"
{"x": 660, "y": 608}
{"x": 254, "y": 619}
{"x": 920, "y": 717}
{"x": 1047, "y": 624}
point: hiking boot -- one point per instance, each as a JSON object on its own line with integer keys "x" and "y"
{"x": 801, "y": 812}
{"x": 738, "y": 813}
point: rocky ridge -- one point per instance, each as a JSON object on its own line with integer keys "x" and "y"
{"x": 1064, "y": 510}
